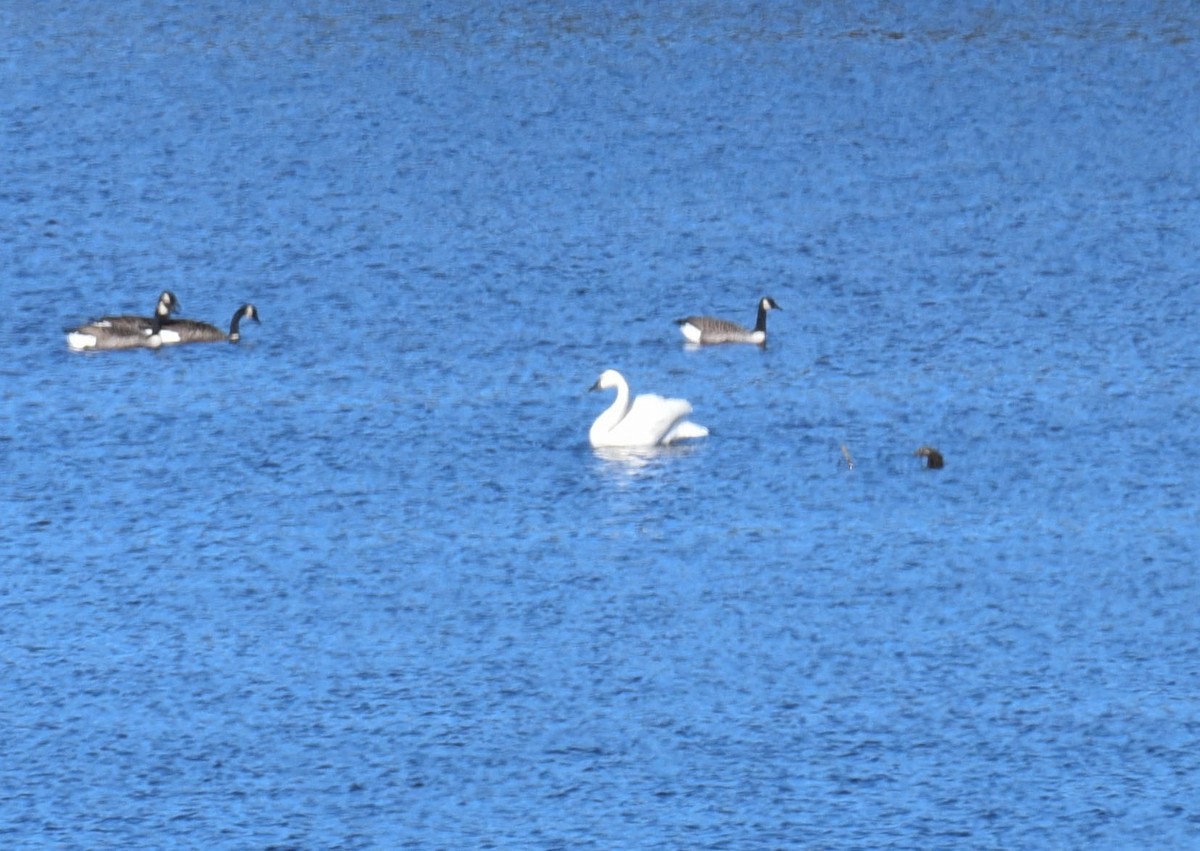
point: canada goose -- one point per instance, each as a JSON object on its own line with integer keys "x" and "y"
{"x": 176, "y": 331}
{"x": 709, "y": 329}
{"x": 649, "y": 420}
{"x": 126, "y": 331}
{"x": 933, "y": 458}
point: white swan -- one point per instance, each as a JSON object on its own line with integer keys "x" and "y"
{"x": 649, "y": 420}
{"x": 708, "y": 329}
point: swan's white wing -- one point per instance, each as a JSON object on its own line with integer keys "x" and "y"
{"x": 685, "y": 430}
{"x": 650, "y": 419}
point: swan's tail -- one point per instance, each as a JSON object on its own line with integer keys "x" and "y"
{"x": 686, "y": 430}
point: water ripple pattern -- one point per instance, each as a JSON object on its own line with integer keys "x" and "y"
{"x": 359, "y": 581}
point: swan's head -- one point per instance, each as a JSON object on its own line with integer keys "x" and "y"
{"x": 934, "y": 460}
{"x": 166, "y": 303}
{"x": 768, "y": 303}
{"x": 608, "y": 379}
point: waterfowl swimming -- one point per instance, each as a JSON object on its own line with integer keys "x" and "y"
{"x": 933, "y": 458}
{"x": 176, "y": 331}
{"x": 648, "y": 420}
{"x": 126, "y": 331}
{"x": 190, "y": 331}
{"x": 709, "y": 329}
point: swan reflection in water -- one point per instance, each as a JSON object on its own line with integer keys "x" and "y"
{"x": 632, "y": 461}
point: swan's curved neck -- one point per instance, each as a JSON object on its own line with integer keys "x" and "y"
{"x": 615, "y": 412}
{"x": 621, "y": 403}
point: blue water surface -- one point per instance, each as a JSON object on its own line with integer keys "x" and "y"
{"x": 360, "y": 582}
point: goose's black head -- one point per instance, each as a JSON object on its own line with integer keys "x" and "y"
{"x": 167, "y": 303}
{"x": 248, "y": 311}
{"x": 760, "y": 325}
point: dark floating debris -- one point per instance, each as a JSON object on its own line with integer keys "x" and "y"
{"x": 934, "y": 460}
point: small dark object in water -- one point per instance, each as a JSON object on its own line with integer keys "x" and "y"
{"x": 935, "y": 460}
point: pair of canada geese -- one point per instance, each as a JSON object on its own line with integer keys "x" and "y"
{"x": 651, "y": 420}
{"x": 142, "y": 332}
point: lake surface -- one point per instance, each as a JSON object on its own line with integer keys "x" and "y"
{"x": 360, "y": 582}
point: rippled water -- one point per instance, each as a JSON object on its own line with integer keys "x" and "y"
{"x": 359, "y": 581}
